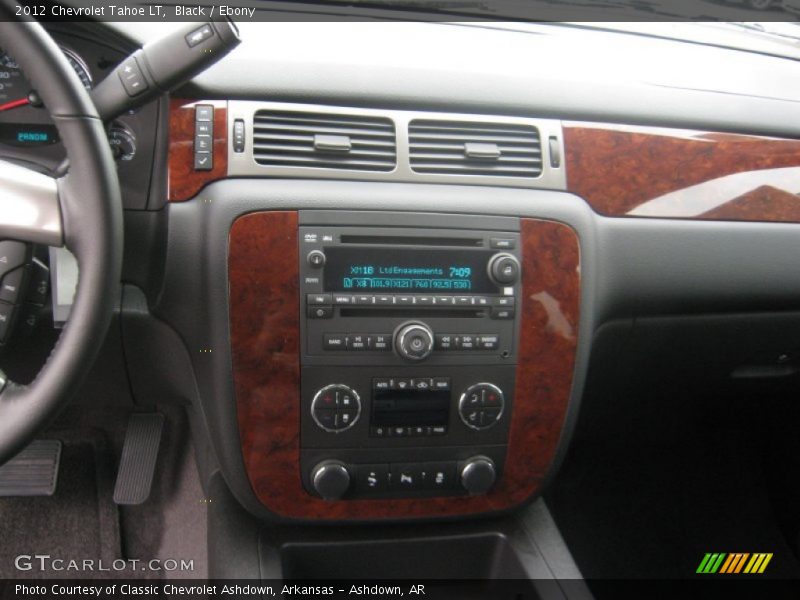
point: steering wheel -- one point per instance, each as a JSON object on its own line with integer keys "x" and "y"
{"x": 81, "y": 211}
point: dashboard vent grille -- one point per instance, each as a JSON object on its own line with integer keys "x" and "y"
{"x": 324, "y": 140}
{"x": 474, "y": 148}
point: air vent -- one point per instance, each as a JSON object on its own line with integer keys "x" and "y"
{"x": 323, "y": 140}
{"x": 474, "y": 148}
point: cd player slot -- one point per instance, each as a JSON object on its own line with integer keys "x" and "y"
{"x": 414, "y": 312}
{"x": 398, "y": 240}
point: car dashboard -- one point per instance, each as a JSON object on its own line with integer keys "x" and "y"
{"x": 382, "y": 277}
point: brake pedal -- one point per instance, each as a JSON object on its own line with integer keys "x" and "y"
{"x": 137, "y": 466}
{"x": 32, "y": 472}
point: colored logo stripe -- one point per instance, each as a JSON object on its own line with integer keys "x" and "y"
{"x": 735, "y": 562}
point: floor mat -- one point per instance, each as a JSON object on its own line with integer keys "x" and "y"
{"x": 654, "y": 509}
{"x": 78, "y": 522}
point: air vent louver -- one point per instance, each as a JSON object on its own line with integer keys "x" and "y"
{"x": 324, "y": 140}
{"x": 474, "y": 148}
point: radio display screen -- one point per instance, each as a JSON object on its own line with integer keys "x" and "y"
{"x": 407, "y": 270}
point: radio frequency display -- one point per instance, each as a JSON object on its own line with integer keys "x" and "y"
{"x": 412, "y": 271}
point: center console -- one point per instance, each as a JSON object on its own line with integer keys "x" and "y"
{"x": 392, "y": 365}
{"x": 408, "y": 359}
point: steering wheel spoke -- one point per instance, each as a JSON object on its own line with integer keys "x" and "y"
{"x": 30, "y": 210}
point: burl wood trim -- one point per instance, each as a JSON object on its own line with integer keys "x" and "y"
{"x": 657, "y": 172}
{"x": 265, "y": 308}
{"x": 184, "y": 181}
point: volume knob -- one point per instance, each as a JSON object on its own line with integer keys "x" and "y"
{"x": 413, "y": 340}
{"x": 478, "y": 475}
{"x": 330, "y": 479}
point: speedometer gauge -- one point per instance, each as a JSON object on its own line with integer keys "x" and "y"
{"x": 79, "y": 66}
{"x": 14, "y": 89}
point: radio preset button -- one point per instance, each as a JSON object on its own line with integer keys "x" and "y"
{"x": 424, "y": 300}
{"x": 463, "y": 300}
{"x": 404, "y": 300}
{"x": 384, "y": 300}
{"x": 445, "y": 300}
{"x": 364, "y": 299}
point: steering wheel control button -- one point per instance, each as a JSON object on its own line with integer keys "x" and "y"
{"x": 504, "y": 269}
{"x": 316, "y": 259}
{"x": 12, "y": 255}
{"x": 132, "y": 78}
{"x": 6, "y": 318}
{"x": 481, "y": 406}
{"x": 478, "y": 475}
{"x": 336, "y": 408}
{"x": 11, "y": 286}
{"x": 413, "y": 341}
{"x": 330, "y": 479}
{"x": 199, "y": 35}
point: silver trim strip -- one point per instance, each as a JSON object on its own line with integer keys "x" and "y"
{"x": 29, "y": 206}
{"x": 242, "y": 164}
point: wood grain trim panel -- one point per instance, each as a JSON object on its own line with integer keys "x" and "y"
{"x": 265, "y": 307}
{"x": 669, "y": 173}
{"x": 184, "y": 181}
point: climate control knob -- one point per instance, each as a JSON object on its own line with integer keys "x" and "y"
{"x": 478, "y": 475}
{"x": 413, "y": 340}
{"x": 504, "y": 269}
{"x": 330, "y": 479}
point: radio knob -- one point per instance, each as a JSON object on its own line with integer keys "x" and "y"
{"x": 478, "y": 475}
{"x": 316, "y": 259}
{"x": 504, "y": 269}
{"x": 413, "y": 341}
{"x": 330, "y": 479}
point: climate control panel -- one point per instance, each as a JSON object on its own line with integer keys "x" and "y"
{"x": 410, "y": 431}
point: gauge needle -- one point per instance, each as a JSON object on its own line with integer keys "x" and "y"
{"x": 14, "y": 104}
